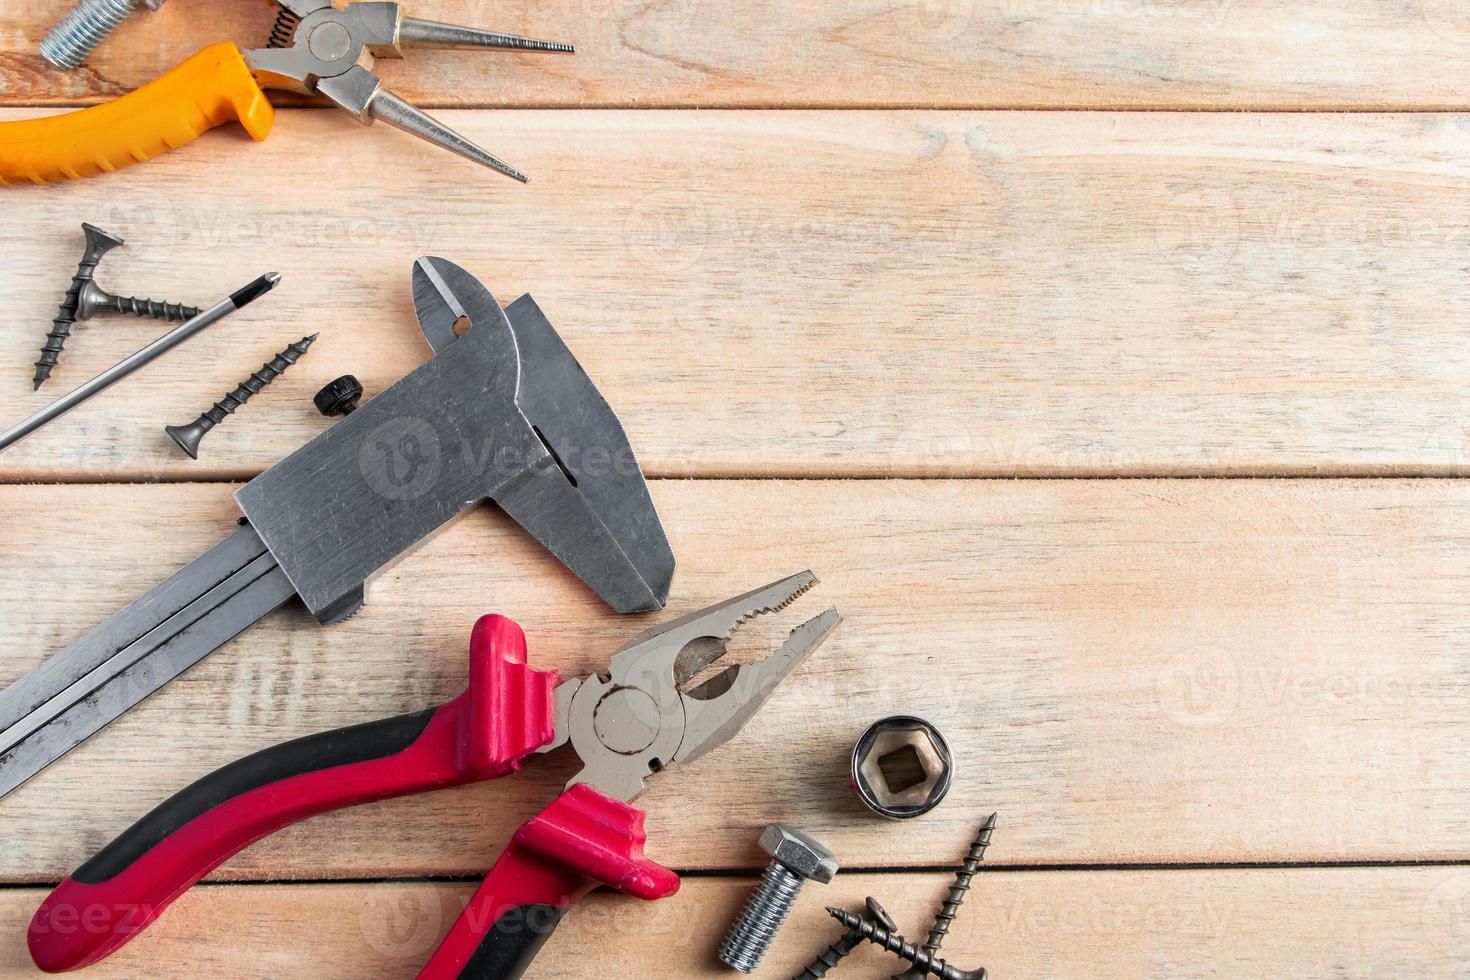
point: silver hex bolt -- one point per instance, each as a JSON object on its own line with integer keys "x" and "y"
{"x": 795, "y": 860}
{"x": 87, "y": 25}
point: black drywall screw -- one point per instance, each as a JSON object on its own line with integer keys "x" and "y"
{"x": 188, "y": 436}
{"x": 956, "y": 897}
{"x": 99, "y": 243}
{"x": 902, "y": 948}
{"x": 85, "y": 299}
{"x": 95, "y": 299}
{"x": 338, "y": 396}
{"x": 848, "y": 942}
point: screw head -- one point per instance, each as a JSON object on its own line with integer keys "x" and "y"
{"x": 339, "y": 397}
{"x": 99, "y": 242}
{"x": 798, "y": 853}
{"x": 186, "y": 437}
{"x": 880, "y": 915}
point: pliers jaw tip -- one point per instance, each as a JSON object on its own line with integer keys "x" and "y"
{"x": 316, "y": 47}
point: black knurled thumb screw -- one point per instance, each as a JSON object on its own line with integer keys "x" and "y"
{"x": 838, "y": 951}
{"x": 956, "y": 897}
{"x": 902, "y": 948}
{"x": 188, "y": 436}
{"x": 339, "y": 396}
{"x": 99, "y": 243}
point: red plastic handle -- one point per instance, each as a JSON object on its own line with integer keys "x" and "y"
{"x": 503, "y": 716}
{"x": 580, "y": 841}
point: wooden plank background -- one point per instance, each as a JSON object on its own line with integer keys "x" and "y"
{"x": 1207, "y": 656}
{"x": 792, "y": 294}
{"x": 1031, "y": 54}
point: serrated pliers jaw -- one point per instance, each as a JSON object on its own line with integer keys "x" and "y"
{"x": 319, "y": 48}
{"x": 640, "y": 716}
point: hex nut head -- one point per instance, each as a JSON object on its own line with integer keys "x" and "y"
{"x": 798, "y": 853}
{"x": 902, "y": 767}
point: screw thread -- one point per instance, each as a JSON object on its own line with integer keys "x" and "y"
{"x": 831, "y": 956}
{"x": 250, "y": 387}
{"x": 902, "y": 948}
{"x": 99, "y": 243}
{"x": 764, "y": 911}
{"x": 156, "y": 308}
{"x": 188, "y": 437}
{"x": 86, "y": 26}
{"x": 839, "y": 950}
{"x": 950, "y": 907}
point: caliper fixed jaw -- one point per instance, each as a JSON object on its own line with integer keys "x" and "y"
{"x": 459, "y": 429}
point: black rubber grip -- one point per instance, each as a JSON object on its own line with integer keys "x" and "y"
{"x": 339, "y": 747}
{"x": 512, "y": 943}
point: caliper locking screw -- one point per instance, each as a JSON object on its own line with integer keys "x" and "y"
{"x": 927, "y": 964}
{"x": 848, "y": 942}
{"x": 84, "y": 299}
{"x": 339, "y": 396}
{"x": 188, "y": 436}
{"x": 795, "y": 860}
{"x": 956, "y": 897}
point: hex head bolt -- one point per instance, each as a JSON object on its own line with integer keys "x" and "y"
{"x": 897, "y": 945}
{"x": 795, "y": 860}
{"x": 188, "y": 436}
{"x": 86, "y": 26}
{"x": 839, "y": 950}
{"x": 956, "y": 897}
{"x": 84, "y": 299}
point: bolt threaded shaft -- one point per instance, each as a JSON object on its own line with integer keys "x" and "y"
{"x": 897, "y": 945}
{"x": 156, "y": 308}
{"x": 86, "y": 26}
{"x": 188, "y": 436}
{"x": 949, "y": 908}
{"x": 764, "y": 911}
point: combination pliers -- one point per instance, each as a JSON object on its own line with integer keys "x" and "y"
{"x": 634, "y": 719}
{"x": 313, "y": 48}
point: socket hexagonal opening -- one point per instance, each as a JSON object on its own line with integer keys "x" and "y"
{"x": 901, "y": 767}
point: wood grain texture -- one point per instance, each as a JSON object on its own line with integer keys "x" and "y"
{"x": 805, "y": 53}
{"x": 1308, "y": 924}
{"x": 797, "y": 294}
{"x": 1131, "y": 671}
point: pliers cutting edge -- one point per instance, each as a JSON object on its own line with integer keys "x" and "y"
{"x": 314, "y": 48}
{"x": 625, "y": 724}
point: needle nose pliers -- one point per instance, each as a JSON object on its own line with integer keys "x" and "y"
{"x": 313, "y": 48}
{"x": 625, "y": 723}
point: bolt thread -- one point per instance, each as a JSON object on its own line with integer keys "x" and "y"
{"x": 927, "y": 963}
{"x": 86, "y": 26}
{"x": 830, "y": 957}
{"x": 764, "y": 911}
{"x": 155, "y": 308}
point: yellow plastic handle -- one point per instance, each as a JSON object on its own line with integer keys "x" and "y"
{"x": 209, "y": 89}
